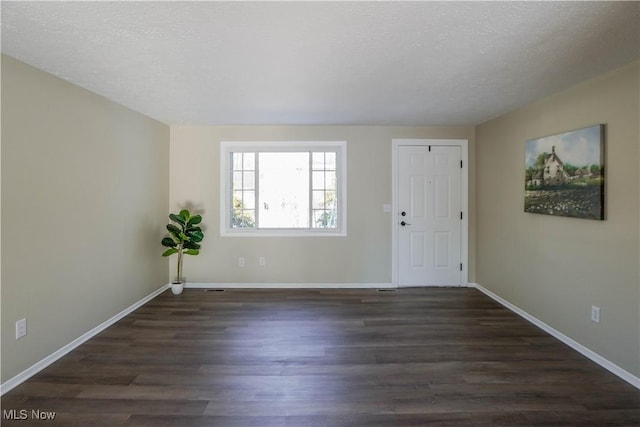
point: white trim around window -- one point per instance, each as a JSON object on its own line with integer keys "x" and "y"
{"x": 244, "y": 198}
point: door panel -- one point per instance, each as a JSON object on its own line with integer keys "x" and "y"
{"x": 429, "y": 193}
{"x": 417, "y": 206}
{"x": 417, "y": 249}
{"x": 442, "y": 202}
{"x": 442, "y": 240}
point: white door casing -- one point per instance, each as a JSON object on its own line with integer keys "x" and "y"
{"x": 430, "y": 188}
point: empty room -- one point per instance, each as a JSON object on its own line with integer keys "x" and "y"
{"x": 379, "y": 213}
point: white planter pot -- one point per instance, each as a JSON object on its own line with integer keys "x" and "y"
{"x": 177, "y": 288}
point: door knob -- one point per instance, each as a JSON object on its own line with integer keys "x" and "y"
{"x": 404, "y": 223}
{"x": 403, "y": 213}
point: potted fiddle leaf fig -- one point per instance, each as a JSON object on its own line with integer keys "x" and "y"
{"x": 184, "y": 238}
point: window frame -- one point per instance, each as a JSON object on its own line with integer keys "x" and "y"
{"x": 226, "y": 182}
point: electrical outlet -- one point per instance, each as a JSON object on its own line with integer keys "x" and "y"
{"x": 262, "y": 261}
{"x": 595, "y": 314}
{"x": 241, "y": 261}
{"x": 21, "y": 328}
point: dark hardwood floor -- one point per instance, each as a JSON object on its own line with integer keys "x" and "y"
{"x": 415, "y": 357}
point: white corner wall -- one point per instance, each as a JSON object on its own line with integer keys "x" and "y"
{"x": 84, "y": 201}
{"x": 363, "y": 256}
{"x": 556, "y": 268}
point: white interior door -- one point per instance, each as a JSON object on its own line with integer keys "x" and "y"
{"x": 429, "y": 222}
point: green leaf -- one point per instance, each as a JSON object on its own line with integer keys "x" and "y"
{"x": 169, "y": 242}
{"x": 170, "y": 252}
{"x": 196, "y": 236}
{"x": 175, "y": 231}
{"x": 192, "y": 252}
{"x": 191, "y": 245}
{"x": 177, "y": 218}
{"x": 185, "y": 214}
{"x": 196, "y": 219}
{"x": 192, "y": 229}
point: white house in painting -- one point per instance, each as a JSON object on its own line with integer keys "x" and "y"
{"x": 553, "y": 172}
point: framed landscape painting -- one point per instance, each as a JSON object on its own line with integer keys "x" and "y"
{"x": 564, "y": 174}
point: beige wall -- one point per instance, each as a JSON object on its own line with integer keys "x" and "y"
{"x": 84, "y": 200}
{"x": 555, "y": 268}
{"x": 364, "y": 256}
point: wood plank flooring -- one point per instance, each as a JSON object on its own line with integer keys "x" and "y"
{"x": 415, "y": 357}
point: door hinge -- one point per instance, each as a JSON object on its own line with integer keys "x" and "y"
{"x": 460, "y": 266}
{"x": 429, "y": 148}
{"x": 461, "y": 215}
{"x": 460, "y": 164}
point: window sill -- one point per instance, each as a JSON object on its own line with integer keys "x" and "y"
{"x": 281, "y": 233}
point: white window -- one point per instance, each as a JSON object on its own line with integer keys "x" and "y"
{"x": 283, "y": 188}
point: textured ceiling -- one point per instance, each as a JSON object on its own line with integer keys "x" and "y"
{"x": 387, "y": 63}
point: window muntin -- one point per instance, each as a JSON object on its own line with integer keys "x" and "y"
{"x": 283, "y": 188}
{"x": 323, "y": 189}
{"x": 243, "y": 193}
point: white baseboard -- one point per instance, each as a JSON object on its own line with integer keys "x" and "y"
{"x": 303, "y": 286}
{"x": 608, "y": 365}
{"x": 289, "y": 285}
{"x": 38, "y": 366}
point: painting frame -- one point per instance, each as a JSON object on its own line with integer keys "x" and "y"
{"x": 565, "y": 174}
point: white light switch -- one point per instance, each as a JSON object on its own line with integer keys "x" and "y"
{"x": 21, "y": 328}
{"x": 595, "y": 314}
